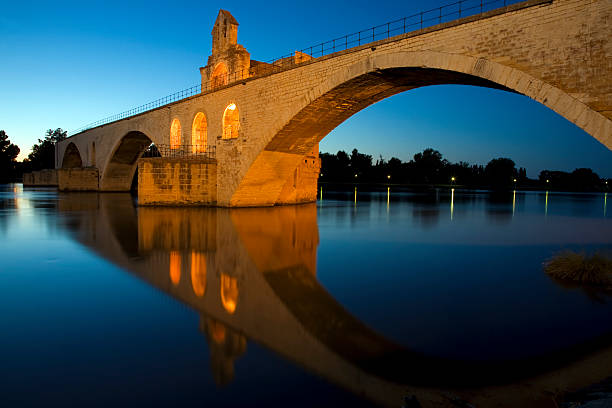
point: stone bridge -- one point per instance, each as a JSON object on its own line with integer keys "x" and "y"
{"x": 251, "y": 276}
{"x": 250, "y": 138}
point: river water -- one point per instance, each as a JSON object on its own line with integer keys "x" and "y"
{"x": 359, "y": 299}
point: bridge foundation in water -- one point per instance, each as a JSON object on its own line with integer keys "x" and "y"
{"x": 163, "y": 181}
{"x": 78, "y": 179}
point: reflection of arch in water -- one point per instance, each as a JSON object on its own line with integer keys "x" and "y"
{"x": 175, "y": 267}
{"x": 225, "y": 345}
{"x": 229, "y": 293}
{"x": 198, "y": 273}
{"x": 282, "y": 305}
{"x": 72, "y": 157}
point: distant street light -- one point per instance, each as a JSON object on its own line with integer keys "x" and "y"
{"x": 355, "y": 176}
{"x": 389, "y": 178}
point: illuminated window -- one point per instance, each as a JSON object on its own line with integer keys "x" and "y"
{"x": 229, "y": 293}
{"x": 175, "y": 134}
{"x": 231, "y": 122}
{"x": 198, "y": 133}
{"x": 175, "y": 267}
{"x": 198, "y": 273}
{"x": 219, "y": 76}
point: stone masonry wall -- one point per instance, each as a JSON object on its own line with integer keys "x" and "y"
{"x": 177, "y": 182}
{"x": 78, "y": 179}
{"x": 45, "y": 178}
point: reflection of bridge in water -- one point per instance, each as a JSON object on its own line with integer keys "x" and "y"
{"x": 251, "y": 273}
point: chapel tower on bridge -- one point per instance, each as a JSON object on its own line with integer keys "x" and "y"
{"x": 229, "y": 60}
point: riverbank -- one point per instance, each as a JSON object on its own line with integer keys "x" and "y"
{"x": 368, "y": 186}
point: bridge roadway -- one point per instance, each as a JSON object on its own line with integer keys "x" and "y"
{"x": 264, "y": 129}
{"x": 251, "y": 274}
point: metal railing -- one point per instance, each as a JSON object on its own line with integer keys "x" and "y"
{"x": 185, "y": 152}
{"x": 418, "y": 21}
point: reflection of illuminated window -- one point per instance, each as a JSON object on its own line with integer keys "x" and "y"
{"x": 198, "y": 133}
{"x": 219, "y": 76}
{"x": 217, "y": 330}
{"x": 175, "y": 134}
{"x": 198, "y": 273}
{"x": 229, "y": 293}
{"x": 231, "y": 122}
{"x": 175, "y": 267}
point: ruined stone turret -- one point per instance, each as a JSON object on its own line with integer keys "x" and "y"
{"x": 229, "y": 61}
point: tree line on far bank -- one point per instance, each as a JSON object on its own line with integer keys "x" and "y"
{"x": 426, "y": 168}
{"x": 430, "y": 168}
{"x": 41, "y": 157}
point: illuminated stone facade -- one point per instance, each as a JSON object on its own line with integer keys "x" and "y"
{"x": 556, "y": 52}
{"x": 163, "y": 181}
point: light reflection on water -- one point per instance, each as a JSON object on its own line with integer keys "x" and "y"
{"x": 383, "y": 294}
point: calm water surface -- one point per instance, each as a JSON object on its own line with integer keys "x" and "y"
{"x": 360, "y": 299}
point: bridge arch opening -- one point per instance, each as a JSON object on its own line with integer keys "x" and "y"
{"x": 219, "y": 76}
{"x": 175, "y": 134}
{"x": 231, "y": 122}
{"x": 72, "y": 157}
{"x": 199, "y": 133}
{"x": 353, "y": 88}
{"x": 120, "y": 169}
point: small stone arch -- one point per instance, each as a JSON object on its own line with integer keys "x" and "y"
{"x": 175, "y": 134}
{"x": 231, "y": 122}
{"x": 199, "y": 133}
{"x": 72, "y": 157}
{"x": 220, "y": 76}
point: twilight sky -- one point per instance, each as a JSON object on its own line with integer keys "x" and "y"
{"x": 66, "y": 64}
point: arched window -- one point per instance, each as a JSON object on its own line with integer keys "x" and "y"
{"x": 219, "y": 76}
{"x": 229, "y": 293}
{"x": 198, "y": 273}
{"x": 231, "y": 122}
{"x": 198, "y": 133}
{"x": 175, "y": 134}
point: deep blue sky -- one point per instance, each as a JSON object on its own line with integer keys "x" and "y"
{"x": 66, "y": 64}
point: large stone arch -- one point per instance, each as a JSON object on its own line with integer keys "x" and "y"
{"x": 72, "y": 157}
{"x": 377, "y": 77}
{"x": 121, "y": 165}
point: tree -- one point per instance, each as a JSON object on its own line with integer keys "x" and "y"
{"x": 361, "y": 164}
{"x": 428, "y": 166}
{"x": 585, "y": 180}
{"x": 43, "y": 153}
{"x": 501, "y": 172}
{"x": 8, "y": 154}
